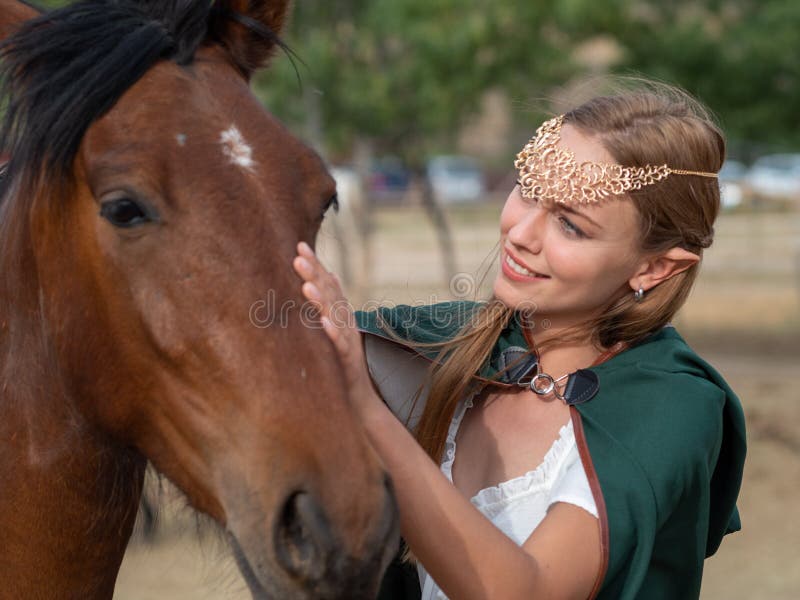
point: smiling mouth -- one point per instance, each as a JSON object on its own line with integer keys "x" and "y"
{"x": 513, "y": 267}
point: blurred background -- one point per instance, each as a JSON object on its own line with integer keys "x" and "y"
{"x": 419, "y": 107}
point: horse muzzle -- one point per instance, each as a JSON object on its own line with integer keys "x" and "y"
{"x": 308, "y": 556}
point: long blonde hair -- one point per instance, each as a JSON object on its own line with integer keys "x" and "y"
{"x": 656, "y": 124}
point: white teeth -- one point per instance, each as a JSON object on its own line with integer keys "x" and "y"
{"x": 518, "y": 268}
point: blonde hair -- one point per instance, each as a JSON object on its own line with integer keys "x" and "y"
{"x": 656, "y": 124}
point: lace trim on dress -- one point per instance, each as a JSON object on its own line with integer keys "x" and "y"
{"x": 518, "y": 486}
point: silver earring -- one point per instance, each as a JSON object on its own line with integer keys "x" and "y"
{"x": 638, "y": 295}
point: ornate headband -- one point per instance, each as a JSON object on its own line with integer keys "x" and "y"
{"x": 551, "y": 173}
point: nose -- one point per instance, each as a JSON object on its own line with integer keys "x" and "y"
{"x": 309, "y": 550}
{"x": 529, "y": 229}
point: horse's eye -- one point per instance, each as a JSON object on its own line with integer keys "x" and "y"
{"x": 124, "y": 212}
{"x": 333, "y": 203}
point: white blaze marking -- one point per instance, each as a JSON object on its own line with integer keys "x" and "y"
{"x": 236, "y": 148}
{"x": 181, "y": 138}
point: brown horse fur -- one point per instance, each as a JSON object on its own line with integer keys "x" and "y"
{"x": 123, "y": 345}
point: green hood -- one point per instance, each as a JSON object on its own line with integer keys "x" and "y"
{"x": 435, "y": 323}
{"x": 666, "y": 445}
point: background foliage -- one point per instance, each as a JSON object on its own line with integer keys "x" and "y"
{"x": 405, "y": 75}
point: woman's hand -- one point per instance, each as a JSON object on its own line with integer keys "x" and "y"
{"x": 336, "y": 315}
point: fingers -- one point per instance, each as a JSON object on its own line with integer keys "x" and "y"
{"x": 304, "y": 249}
{"x": 339, "y": 338}
{"x": 323, "y": 289}
{"x": 320, "y": 287}
{"x": 347, "y": 342}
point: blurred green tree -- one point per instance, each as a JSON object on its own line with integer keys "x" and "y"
{"x": 406, "y": 74}
{"x": 401, "y": 77}
{"x": 738, "y": 56}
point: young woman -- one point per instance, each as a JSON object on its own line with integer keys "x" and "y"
{"x": 565, "y": 442}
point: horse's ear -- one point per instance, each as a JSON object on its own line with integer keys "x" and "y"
{"x": 13, "y": 14}
{"x": 248, "y": 29}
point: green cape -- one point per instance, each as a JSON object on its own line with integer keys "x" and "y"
{"x": 663, "y": 444}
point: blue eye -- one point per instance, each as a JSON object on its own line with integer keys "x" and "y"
{"x": 569, "y": 227}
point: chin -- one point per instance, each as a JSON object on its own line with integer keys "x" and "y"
{"x": 509, "y": 295}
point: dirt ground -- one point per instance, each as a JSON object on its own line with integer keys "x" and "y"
{"x": 744, "y": 317}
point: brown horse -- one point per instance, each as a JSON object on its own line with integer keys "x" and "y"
{"x": 149, "y": 202}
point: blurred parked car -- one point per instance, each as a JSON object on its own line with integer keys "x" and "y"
{"x": 731, "y": 179}
{"x": 455, "y": 179}
{"x": 775, "y": 177}
{"x": 389, "y": 179}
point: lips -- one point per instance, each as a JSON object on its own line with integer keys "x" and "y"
{"x": 515, "y": 269}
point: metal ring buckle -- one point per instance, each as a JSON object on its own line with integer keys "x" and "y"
{"x": 543, "y": 384}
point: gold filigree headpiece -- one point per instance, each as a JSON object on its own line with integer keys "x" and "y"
{"x": 550, "y": 173}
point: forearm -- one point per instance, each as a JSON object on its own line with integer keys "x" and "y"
{"x": 461, "y": 549}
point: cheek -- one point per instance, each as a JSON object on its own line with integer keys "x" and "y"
{"x": 513, "y": 211}
{"x": 599, "y": 267}
{"x": 569, "y": 260}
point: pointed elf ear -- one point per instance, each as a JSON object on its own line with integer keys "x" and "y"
{"x": 13, "y": 14}
{"x": 248, "y": 30}
{"x": 662, "y": 267}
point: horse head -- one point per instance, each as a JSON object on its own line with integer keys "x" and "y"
{"x": 150, "y": 204}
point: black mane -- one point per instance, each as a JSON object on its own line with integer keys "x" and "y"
{"x": 63, "y": 70}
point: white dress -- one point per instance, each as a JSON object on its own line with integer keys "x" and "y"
{"x": 518, "y": 505}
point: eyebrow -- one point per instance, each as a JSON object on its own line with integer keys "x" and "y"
{"x": 572, "y": 211}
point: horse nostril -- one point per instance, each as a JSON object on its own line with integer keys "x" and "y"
{"x": 307, "y": 550}
{"x": 303, "y": 541}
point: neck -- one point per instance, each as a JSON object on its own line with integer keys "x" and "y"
{"x": 560, "y": 360}
{"x": 560, "y": 349}
{"x": 69, "y": 493}
{"x": 65, "y": 517}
